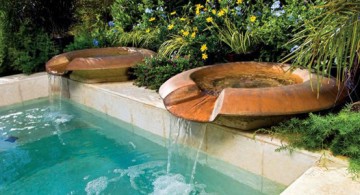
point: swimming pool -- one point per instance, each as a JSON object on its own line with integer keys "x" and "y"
{"x": 76, "y": 150}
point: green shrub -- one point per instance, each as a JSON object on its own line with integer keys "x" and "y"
{"x": 140, "y": 23}
{"x": 337, "y": 132}
{"x": 82, "y": 40}
{"x": 2, "y": 38}
{"x": 91, "y": 27}
{"x": 100, "y": 35}
{"x": 126, "y": 13}
{"x": 88, "y": 13}
{"x": 155, "y": 71}
{"x": 29, "y": 49}
{"x": 27, "y": 45}
{"x": 277, "y": 22}
{"x": 26, "y": 29}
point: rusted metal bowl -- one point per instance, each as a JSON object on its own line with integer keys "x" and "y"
{"x": 247, "y": 95}
{"x": 97, "y": 65}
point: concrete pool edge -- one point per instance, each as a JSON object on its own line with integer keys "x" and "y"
{"x": 19, "y": 88}
{"x": 143, "y": 108}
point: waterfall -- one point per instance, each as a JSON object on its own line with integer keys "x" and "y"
{"x": 184, "y": 142}
{"x": 56, "y": 93}
{"x": 193, "y": 171}
{"x": 55, "y": 90}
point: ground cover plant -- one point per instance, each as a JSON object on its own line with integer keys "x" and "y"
{"x": 334, "y": 132}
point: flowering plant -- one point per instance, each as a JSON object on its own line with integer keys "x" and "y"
{"x": 191, "y": 35}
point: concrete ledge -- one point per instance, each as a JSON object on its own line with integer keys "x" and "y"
{"x": 19, "y": 88}
{"x": 321, "y": 180}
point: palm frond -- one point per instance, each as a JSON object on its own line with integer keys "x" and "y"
{"x": 330, "y": 41}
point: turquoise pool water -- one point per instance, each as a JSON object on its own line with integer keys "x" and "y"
{"x": 76, "y": 150}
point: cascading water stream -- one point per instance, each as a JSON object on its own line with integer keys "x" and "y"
{"x": 56, "y": 89}
{"x": 203, "y": 130}
{"x": 181, "y": 136}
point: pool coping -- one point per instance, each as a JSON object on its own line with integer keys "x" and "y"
{"x": 316, "y": 171}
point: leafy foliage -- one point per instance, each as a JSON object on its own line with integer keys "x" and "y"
{"x": 2, "y": 37}
{"x": 82, "y": 40}
{"x": 29, "y": 49}
{"x": 155, "y": 71}
{"x": 128, "y": 13}
{"x": 92, "y": 30}
{"x": 27, "y": 45}
{"x": 88, "y": 13}
{"x": 337, "y": 132}
{"x": 277, "y": 22}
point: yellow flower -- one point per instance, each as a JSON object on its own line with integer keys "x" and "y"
{"x": 239, "y": 1}
{"x": 185, "y": 33}
{"x": 203, "y": 48}
{"x": 147, "y": 30}
{"x": 173, "y": 13}
{"x": 152, "y": 19}
{"x": 252, "y": 18}
{"x": 170, "y": 26}
{"x": 182, "y": 19}
{"x": 213, "y": 11}
{"x": 193, "y": 35}
{"x": 197, "y": 12}
{"x": 209, "y": 19}
{"x": 204, "y": 56}
{"x": 199, "y": 6}
{"x": 221, "y": 13}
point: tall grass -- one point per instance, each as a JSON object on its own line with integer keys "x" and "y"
{"x": 238, "y": 41}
